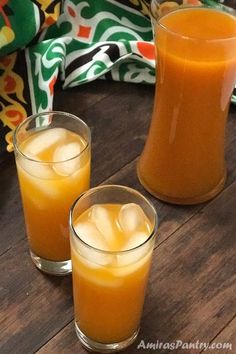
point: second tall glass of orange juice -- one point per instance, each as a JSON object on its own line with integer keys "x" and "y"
{"x": 112, "y": 238}
{"x": 183, "y": 158}
{"x": 52, "y": 153}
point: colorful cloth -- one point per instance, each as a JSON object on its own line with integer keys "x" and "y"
{"x": 20, "y": 25}
{"x": 76, "y": 41}
{"x": 91, "y": 39}
{"x": 79, "y": 40}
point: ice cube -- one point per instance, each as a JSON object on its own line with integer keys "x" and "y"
{"x": 137, "y": 239}
{"x": 128, "y": 264}
{"x": 44, "y": 140}
{"x": 100, "y": 216}
{"x": 40, "y": 176}
{"x": 99, "y": 275}
{"x": 36, "y": 168}
{"x": 89, "y": 233}
{"x": 65, "y": 153}
{"x": 131, "y": 216}
{"x": 131, "y": 261}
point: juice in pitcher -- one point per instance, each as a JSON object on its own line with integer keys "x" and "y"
{"x": 53, "y": 165}
{"x": 183, "y": 158}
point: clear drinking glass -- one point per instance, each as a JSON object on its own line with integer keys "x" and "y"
{"x": 109, "y": 286}
{"x": 52, "y": 152}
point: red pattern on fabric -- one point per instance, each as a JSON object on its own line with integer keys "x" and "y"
{"x": 71, "y": 11}
{"x": 193, "y": 2}
{"x": 84, "y": 31}
{"x": 146, "y": 49}
{"x": 10, "y": 83}
{"x": 15, "y": 116}
{"x": 51, "y": 85}
{"x": 5, "y": 61}
{"x": 6, "y": 20}
{"x": 49, "y": 21}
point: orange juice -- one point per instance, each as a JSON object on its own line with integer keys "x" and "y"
{"x": 50, "y": 180}
{"x": 183, "y": 159}
{"x": 109, "y": 284}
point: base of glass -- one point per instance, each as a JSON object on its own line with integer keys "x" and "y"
{"x": 92, "y": 345}
{"x": 51, "y": 267}
{"x": 185, "y": 201}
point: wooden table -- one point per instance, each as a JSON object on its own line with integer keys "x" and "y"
{"x": 192, "y": 290}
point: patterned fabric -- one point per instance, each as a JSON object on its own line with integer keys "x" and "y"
{"x": 16, "y": 34}
{"x": 96, "y": 38}
{"x": 76, "y": 41}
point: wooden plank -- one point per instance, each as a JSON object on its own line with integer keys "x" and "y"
{"x": 11, "y": 218}
{"x": 226, "y": 338}
{"x": 119, "y": 124}
{"x": 118, "y": 115}
{"x": 195, "y": 273}
{"x": 172, "y": 217}
{"x": 34, "y": 306}
{"x": 26, "y": 274}
{"x": 77, "y": 99}
{"x": 35, "y": 319}
{"x": 64, "y": 342}
{"x": 123, "y": 139}
{"x": 230, "y": 148}
{"x": 191, "y": 293}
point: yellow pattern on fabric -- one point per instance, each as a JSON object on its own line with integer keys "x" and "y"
{"x": 144, "y": 5}
{"x": 12, "y": 113}
{"x": 7, "y": 36}
{"x": 51, "y": 17}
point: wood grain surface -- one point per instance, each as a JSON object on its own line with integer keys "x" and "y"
{"x": 191, "y": 294}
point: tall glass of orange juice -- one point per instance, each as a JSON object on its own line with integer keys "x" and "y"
{"x": 52, "y": 152}
{"x": 183, "y": 158}
{"x": 113, "y": 231}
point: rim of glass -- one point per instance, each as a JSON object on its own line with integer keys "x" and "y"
{"x": 193, "y": 7}
{"x": 117, "y": 186}
{"x": 32, "y": 117}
